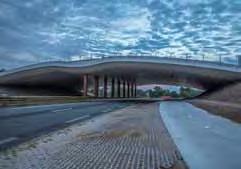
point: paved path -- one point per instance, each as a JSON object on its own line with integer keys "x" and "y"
{"x": 18, "y": 124}
{"x": 205, "y": 140}
{"x": 131, "y": 138}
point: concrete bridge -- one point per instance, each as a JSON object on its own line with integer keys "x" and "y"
{"x": 121, "y": 75}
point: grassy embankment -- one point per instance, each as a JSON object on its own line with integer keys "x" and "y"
{"x": 225, "y": 102}
{"x": 38, "y": 100}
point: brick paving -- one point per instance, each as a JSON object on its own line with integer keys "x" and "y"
{"x": 131, "y": 138}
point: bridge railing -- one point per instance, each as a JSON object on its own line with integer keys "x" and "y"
{"x": 219, "y": 60}
{"x": 95, "y": 59}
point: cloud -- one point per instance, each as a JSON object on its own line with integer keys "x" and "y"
{"x": 12, "y": 59}
{"x": 130, "y": 29}
{"x": 40, "y": 30}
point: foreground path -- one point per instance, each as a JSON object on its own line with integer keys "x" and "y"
{"x": 131, "y": 138}
{"x": 205, "y": 140}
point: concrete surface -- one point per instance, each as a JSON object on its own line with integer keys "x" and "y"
{"x": 206, "y": 141}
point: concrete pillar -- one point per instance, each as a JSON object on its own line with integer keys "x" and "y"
{"x": 96, "y": 86}
{"x": 128, "y": 89}
{"x": 105, "y": 86}
{"x": 132, "y": 89}
{"x": 124, "y": 89}
{"x": 135, "y": 89}
{"x": 118, "y": 88}
{"x": 113, "y": 87}
{"x": 85, "y": 85}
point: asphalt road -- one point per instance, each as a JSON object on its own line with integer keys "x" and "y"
{"x": 21, "y": 123}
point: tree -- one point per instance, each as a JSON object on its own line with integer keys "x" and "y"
{"x": 188, "y": 92}
{"x": 174, "y": 94}
{"x": 141, "y": 93}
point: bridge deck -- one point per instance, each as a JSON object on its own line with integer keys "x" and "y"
{"x": 150, "y": 59}
{"x": 142, "y": 70}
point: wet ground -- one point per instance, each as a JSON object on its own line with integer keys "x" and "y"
{"x": 131, "y": 138}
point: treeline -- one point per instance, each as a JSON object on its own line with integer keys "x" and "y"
{"x": 157, "y": 92}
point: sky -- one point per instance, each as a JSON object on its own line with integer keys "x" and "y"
{"x": 33, "y": 31}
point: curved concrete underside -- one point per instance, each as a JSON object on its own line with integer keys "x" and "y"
{"x": 146, "y": 70}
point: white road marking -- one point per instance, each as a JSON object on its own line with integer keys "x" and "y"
{"x": 10, "y": 139}
{"x": 76, "y": 119}
{"x": 107, "y": 110}
{"x": 61, "y": 110}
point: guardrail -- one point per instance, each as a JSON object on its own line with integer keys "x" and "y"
{"x": 219, "y": 60}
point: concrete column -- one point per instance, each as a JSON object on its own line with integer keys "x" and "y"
{"x": 85, "y": 85}
{"x": 135, "y": 89}
{"x": 113, "y": 87}
{"x": 105, "y": 86}
{"x": 132, "y": 89}
{"x": 96, "y": 87}
{"x": 124, "y": 89}
{"x": 128, "y": 89}
{"x": 118, "y": 88}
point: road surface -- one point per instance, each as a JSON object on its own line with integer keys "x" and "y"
{"x": 21, "y": 123}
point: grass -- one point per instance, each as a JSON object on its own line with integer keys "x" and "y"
{"x": 230, "y": 112}
{"x": 27, "y": 101}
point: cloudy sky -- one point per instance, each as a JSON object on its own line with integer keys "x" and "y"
{"x": 40, "y": 30}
